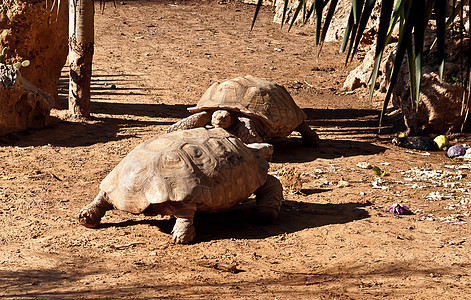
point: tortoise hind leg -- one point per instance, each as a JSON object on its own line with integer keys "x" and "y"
{"x": 184, "y": 230}
{"x": 194, "y": 121}
{"x": 90, "y": 215}
{"x": 310, "y": 137}
{"x": 268, "y": 197}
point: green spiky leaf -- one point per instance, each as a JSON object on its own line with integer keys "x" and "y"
{"x": 296, "y": 13}
{"x": 365, "y": 16}
{"x": 381, "y": 41}
{"x": 357, "y": 8}
{"x": 257, "y": 9}
{"x": 404, "y": 40}
{"x": 328, "y": 18}
{"x": 440, "y": 7}
{"x": 348, "y": 30}
{"x": 420, "y": 19}
{"x": 309, "y": 12}
{"x": 285, "y": 9}
{"x": 319, "y": 6}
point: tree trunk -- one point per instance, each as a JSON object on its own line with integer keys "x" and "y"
{"x": 81, "y": 41}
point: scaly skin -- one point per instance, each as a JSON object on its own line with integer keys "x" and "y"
{"x": 246, "y": 130}
{"x": 90, "y": 215}
{"x": 222, "y": 118}
{"x": 194, "y": 121}
{"x": 310, "y": 137}
{"x": 183, "y": 230}
{"x": 268, "y": 199}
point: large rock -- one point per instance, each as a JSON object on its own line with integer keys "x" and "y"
{"x": 360, "y": 76}
{"x": 439, "y": 107}
{"x": 338, "y": 23}
{"x": 440, "y": 101}
{"x": 32, "y": 31}
{"x": 22, "y": 105}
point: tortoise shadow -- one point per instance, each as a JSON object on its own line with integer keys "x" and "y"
{"x": 239, "y": 223}
{"x": 292, "y": 150}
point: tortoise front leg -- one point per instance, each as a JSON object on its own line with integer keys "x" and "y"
{"x": 310, "y": 137}
{"x": 90, "y": 215}
{"x": 194, "y": 121}
{"x": 246, "y": 131}
{"x": 268, "y": 199}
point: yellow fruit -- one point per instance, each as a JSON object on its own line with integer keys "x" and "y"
{"x": 441, "y": 141}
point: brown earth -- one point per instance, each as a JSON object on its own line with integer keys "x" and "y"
{"x": 333, "y": 239}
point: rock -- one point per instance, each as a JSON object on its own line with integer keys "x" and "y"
{"x": 22, "y": 105}
{"x": 35, "y": 33}
{"x": 440, "y": 101}
{"x": 425, "y": 143}
{"x": 360, "y": 76}
{"x": 338, "y": 23}
{"x": 439, "y": 108}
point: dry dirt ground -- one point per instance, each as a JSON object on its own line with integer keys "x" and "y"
{"x": 333, "y": 239}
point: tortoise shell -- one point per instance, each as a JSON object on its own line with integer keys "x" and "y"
{"x": 210, "y": 167}
{"x": 266, "y": 101}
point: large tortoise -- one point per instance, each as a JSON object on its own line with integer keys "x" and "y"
{"x": 179, "y": 173}
{"x": 252, "y": 108}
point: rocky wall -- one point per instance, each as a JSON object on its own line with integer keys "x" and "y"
{"x": 36, "y": 33}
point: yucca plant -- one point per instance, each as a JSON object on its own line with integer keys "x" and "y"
{"x": 413, "y": 18}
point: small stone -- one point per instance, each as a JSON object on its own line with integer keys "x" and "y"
{"x": 364, "y": 165}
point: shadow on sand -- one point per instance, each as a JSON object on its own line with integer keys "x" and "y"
{"x": 239, "y": 223}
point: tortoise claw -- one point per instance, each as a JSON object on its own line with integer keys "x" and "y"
{"x": 184, "y": 231}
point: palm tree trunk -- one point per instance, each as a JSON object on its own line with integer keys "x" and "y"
{"x": 81, "y": 41}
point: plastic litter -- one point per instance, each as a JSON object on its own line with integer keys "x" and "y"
{"x": 456, "y": 150}
{"x": 398, "y": 209}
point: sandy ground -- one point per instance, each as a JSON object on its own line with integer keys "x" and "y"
{"x": 333, "y": 239}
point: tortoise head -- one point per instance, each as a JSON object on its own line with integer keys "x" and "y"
{"x": 222, "y": 118}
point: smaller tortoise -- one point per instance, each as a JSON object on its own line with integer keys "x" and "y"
{"x": 252, "y": 108}
{"x": 179, "y": 173}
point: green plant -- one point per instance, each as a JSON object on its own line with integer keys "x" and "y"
{"x": 412, "y": 17}
{"x": 3, "y": 54}
{"x": 16, "y": 65}
{"x": 453, "y": 78}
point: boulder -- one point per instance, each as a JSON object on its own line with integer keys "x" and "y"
{"x": 338, "y": 23}
{"x": 359, "y": 77}
{"x": 22, "y": 105}
{"x": 440, "y": 107}
{"x": 34, "y": 32}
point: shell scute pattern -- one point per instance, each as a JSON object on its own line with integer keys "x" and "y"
{"x": 256, "y": 97}
{"x": 186, "y": 166}
{"x": 186, "y": 171}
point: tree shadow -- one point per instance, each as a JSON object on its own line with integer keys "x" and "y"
{"x": 61, "y": 283}
{"x": 145, "y": 110}
{"x": 240, "y": 223}
{"x": 75, "y": 134}
{"x": 351, "y": 121}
